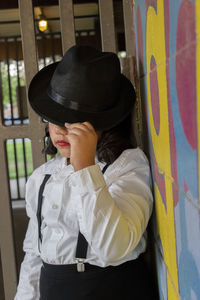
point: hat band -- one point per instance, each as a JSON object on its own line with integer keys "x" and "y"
{"x": 73, "y": 104}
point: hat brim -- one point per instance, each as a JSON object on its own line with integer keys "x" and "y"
{"x": 55, "y": 113}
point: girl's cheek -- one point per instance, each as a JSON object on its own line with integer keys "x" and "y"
{"x": 54, "y": 143}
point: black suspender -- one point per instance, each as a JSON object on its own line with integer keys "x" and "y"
{"x": 39, "y": 208}
{"x": 82, "y": 244}
{"x": 105, "y": 168}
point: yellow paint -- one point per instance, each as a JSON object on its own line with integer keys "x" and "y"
{"x": 198, "y": 81}
{"x": 173, "y": 292}
{"x": 155, "y": 46}
{"x": 160, "y": 210}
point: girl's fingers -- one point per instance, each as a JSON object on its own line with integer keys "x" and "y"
{"x": 77, "y": 131}
{"x": 89, "y": 125}
{"x": 86, "y": 126}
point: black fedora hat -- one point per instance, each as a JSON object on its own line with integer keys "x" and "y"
{"x": 86, "y": 85}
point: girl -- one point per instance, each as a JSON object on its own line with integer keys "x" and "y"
{"x": 90, "y": 205}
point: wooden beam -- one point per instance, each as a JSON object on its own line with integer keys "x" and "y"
{"x": 8, "y": 258}
{"x": 31, "y": 68}
{"x": 67, "y": 24}
{"x": 107, "y": 25}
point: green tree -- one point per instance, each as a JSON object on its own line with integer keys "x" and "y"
{"x": 11, "y": 94}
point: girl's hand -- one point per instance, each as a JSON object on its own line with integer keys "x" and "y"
{"x": 83, "y": 140}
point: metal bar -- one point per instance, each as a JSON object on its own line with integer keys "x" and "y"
{"x": 67, "y": 24}
{"x": 31, "y": 67}
{"x": 38, "y": 34}
{"x": 2, "y": 37}
{"x": 1, "y": 99}
{"x": 107, "y": 25}
{"x": 52, "y": 47}
{"x": 25, "y": 161}
{"x": 18, "y": 82}
{"x": 44, "y": 50}
{"x": 9, "y": 81}
{"x": 48, "y": 19}
{"x": 16, "y": 168}
{"x": 10, "y": 22}
{"x": 6, "y": 230}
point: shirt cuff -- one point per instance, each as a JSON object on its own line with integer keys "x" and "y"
{"x": 87, "y": 179}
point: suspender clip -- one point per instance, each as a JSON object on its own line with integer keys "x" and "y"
{"x": 80, "y": 265}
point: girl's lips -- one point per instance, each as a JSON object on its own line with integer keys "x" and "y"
{"x": 62, "y": 143}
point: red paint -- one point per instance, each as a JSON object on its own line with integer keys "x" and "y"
{"x": 186, "y": 71}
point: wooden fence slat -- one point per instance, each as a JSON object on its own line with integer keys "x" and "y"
{"x": 8, "y": 258}
{"x": 128, "y": 28}
{"x": 31, "y": 67}
{"x": 131, "y": 64}
{"x": 14, "y": 132}
{"x": 67, "y": 24}
{"x": 106, "y": 12}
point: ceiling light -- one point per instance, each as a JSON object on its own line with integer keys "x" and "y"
{"x": 42, "y": 23}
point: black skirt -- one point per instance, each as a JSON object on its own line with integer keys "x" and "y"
{"x": 128, "y": 281}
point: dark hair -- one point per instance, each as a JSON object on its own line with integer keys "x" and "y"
{"x": 111, "y": 143}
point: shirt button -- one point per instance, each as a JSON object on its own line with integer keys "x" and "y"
{"x": 55, "y": 206}
{"x": 57, "y": 230}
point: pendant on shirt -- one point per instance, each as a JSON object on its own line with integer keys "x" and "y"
{"x": 80, "y": 265}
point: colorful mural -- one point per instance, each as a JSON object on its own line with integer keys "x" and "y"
{"x": 167, "y": 37}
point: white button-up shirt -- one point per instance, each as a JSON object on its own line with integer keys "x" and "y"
{"x": 111, "y": 210}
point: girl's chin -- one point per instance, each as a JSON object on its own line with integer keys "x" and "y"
{"x": 64, "y": 153}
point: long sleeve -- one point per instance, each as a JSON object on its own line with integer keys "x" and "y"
{"x": 111, "y": 210}
{"x": 113, "y": 215}
{"x": 28, "y": 287}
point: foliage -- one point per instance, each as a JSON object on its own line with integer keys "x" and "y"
{"x": 11, "y": 80}
{"x": 18, "y": 145}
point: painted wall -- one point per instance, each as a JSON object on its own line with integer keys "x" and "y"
{"x": 167, "y": 42}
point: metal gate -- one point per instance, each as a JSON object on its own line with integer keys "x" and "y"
{"x": 34, "y": 128}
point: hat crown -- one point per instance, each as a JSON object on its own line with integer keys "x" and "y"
{"x": 86, "y": 85}
{"x": 87, "y": 77}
